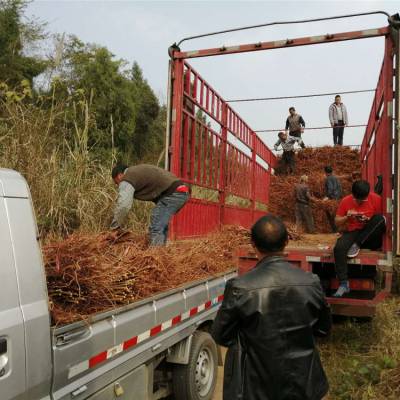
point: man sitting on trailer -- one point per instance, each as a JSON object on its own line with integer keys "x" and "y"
{"x": 268, "y": 320}
{"x": 287, "y": 145}
{"x": 294, "y": 123}
{"x": 149, "y": 183}
{"x": 363, "y": 225}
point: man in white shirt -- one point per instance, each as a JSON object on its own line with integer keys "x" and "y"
{"x": 339, "y": 119}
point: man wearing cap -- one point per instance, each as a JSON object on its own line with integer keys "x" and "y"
{"x": 149, "y": 183}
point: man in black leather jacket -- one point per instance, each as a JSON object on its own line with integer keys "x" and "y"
{"x": 268, "y": 320}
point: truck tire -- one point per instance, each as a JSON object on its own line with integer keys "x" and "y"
{"x": 197, "y": 379}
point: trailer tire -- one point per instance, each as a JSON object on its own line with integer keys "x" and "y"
{"x": 197, "y": 379}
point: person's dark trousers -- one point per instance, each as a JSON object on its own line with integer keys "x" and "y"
{"x": 165, "y": 208}
{"x": 331, "y": 219}
{"x": 304, "y": 217}
{"x": 338, "y": 130}
{"x": 289, "y": 162}
{"x": 296, "y": 134}
{"x": 370, "y": 237}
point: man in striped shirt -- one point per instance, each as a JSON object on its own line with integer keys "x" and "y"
{"x": 287, "y": 145}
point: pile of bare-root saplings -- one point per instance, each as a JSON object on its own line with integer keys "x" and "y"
{"x": 311, "y": 162}
{"x": 91, "y": 273}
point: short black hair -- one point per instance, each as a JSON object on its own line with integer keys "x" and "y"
{"x": 360, "y": 189}
{"x": 269, "y": 234}
{"x": 292, "y": 108}
{"x": 118, "y": 169}
{"x": 328, "y": 169}
{"x": 338, "y": 95}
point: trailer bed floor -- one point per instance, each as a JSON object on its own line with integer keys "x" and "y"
{"x": 322, "y": 241}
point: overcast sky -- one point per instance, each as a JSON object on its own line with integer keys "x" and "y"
{"x": 143, "y": 31}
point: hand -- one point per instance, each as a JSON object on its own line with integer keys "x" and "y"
{"x": 302, "y": 130}
{"x": 332, "y": 125}
{"x": 351, "y": 213}
{"x": 362, "y": 218}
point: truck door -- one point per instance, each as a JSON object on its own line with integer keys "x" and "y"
{"x": 12, "y": 343}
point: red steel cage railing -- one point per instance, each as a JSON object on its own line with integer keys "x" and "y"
{"x": 218, "y": 154}
{"x": 377, "y": 145}
{"x": 229, "y": 166}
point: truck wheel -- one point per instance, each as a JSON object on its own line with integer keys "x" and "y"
{"x": 197, "y": 380}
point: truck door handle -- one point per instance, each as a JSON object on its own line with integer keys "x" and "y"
{"x": 3, "y": 363}
{"x": 3, "y": 346}
{"x": 3, "y": 356}
{"x": 69, "y": 337}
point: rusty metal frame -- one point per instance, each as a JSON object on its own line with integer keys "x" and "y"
{"x": 279, "y": 44}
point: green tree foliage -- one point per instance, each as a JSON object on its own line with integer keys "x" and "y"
{"x": 91, "y": 70}
{"x": 15, "y": 39}
{"x": 148, "y": 110}
{"x": 126, "y": 108}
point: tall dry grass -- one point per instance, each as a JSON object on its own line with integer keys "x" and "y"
{"x": 47, "y": 142}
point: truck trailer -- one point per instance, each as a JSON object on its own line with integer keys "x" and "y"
{"x": 213, "y": 148}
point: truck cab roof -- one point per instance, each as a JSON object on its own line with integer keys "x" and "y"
{"x": 13, "y": 184}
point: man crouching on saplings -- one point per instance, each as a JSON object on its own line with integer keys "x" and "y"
{"x": 149, "y": 183}
{"x": 268, "y": 320}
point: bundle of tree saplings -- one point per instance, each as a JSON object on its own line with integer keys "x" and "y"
{"x": 311, "y": 162}
{"x": 91, "y": 273}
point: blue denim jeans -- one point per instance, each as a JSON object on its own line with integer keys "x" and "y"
{"x": 165, "y": 208}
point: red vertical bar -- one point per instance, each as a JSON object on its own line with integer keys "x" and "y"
{"x": 207, "y": 98}
{"x": 205, "y": 160}
{"x": 187, "y": 80}
{"x": 176, "y": 126}
{"x": 213, "y": 103}
{"x": 192, "y": 148}
{"x": 216, "y": 161}
{"x": 199, "y": 152}
{"x": 202, "y": 93}
{"x": 235, "y": 170}
{"x": 387, "y": 141}
{"x": 253, "y": 175}
{"x": 195, "y": 84}
{"x": 223, "y": 181}
{"x": 185, "y": 147}
{"x": 177, "y": 102}
{"x": 210, "y": 164}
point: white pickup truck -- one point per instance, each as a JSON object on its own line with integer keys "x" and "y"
{"x": 148, "y": 350}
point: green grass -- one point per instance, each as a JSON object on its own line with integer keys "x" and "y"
{"x": 362, "y": 358}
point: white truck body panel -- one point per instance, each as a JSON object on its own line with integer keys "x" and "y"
{"x": 84, "y": 359}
